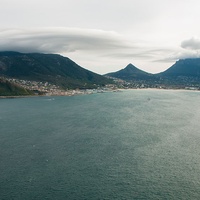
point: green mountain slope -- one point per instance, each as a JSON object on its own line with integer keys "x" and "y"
{"x": 52, "y": 68}
{"x": 185, "y": 72}
{"x": 185, "y": 67}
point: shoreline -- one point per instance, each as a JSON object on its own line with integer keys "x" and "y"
{"x": 165, "y": 89}
{"x": 14, "y": 97}
{"x": 120, "y": 90}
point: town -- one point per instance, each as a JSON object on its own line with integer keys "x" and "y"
{"x": 48, "y": 89}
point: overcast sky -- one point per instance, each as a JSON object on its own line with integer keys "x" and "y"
{"x": 104, "y": 35}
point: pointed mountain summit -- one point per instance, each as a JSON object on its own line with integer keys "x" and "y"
{"x": 130, "y": 72}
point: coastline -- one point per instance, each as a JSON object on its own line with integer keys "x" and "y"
{"x": 170, "y": 89}
{"x": 14, "y": 97}
{"x": 118, "y": 90}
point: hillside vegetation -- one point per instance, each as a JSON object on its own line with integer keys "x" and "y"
{"x": 51, "y": 68}
{"x": 9, "y": 89}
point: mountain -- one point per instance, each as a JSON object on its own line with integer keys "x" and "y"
{"x": 130, "y": 73}
{"x": 185, "y": 67}
{"x": 184, "y": 72}
{"x": 51, "y": 68}
{"x": 10, "y": 89}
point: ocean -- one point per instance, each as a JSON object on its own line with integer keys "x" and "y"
{"x": 134, "y": 144}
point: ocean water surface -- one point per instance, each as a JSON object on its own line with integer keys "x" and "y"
{"x": 135, "y": 144}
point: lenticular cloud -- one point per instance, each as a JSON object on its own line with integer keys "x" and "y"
{"x": 57, "y": 40}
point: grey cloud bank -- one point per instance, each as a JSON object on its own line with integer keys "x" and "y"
{"x": 58, "y": 40}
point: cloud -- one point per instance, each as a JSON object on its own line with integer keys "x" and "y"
{"x": 192, "y": 44}
{"x": 58, "y": 40}
{"x": 190, "y": 48}
{"x": 92, "y": 48}
{"x": 69, "y": 40}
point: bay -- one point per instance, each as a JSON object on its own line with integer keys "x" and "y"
{"x": 135, "y": 144}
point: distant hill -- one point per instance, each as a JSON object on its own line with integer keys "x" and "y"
{"x": 9, "y": 89}
{"x": 52, "y": 68}
{"x": 183, "y": 72}
{"x": 130, "y": 73}
{"x": 185, "y": 67}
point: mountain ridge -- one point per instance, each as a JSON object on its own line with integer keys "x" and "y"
{"x": 52, "y": 68}
{"x": 183, "y": 73}
{"x": 66, "y": 74}
{"x": 183, "y": 67}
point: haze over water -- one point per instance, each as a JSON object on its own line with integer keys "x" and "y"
{"x": 135, "y": 144}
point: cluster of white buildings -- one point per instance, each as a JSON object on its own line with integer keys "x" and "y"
{"x": 50, "y": 90}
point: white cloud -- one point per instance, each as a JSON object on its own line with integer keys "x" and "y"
{"x": 190, "y": 48}
{"x": 193, "y": 44}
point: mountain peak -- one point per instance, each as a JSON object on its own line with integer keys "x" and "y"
{"x": 131, "y": 68}
{"x": 130, "y": 72}
{"x": 130, "y": 65}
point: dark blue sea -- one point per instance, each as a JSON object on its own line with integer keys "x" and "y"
{"x": 135, "y": 144}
